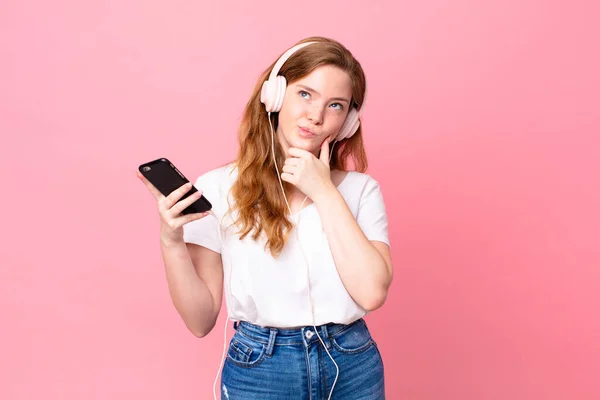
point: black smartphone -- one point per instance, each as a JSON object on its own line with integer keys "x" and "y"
{"x": 166, "y": 178}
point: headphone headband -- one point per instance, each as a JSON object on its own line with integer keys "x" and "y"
{"x": 284, "y": 57}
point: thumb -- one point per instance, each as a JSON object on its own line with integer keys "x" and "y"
{"x": 324, "y": 156}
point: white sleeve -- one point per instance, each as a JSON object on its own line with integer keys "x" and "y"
{"x": 204, "y": 232}
{"x": 372, "y": 215}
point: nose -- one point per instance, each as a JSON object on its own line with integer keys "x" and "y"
{"x": 315, "y": 114}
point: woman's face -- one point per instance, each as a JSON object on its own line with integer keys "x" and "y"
{"x": 314, "y": 108}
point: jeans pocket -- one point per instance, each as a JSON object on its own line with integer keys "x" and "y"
{"x": 245, "y": 352}
{"x": 355, "y": 339}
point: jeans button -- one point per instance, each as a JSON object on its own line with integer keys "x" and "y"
{"x": 309, "y": 334}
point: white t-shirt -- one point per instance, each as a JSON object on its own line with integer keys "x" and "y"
{"x": 273, "y": 292}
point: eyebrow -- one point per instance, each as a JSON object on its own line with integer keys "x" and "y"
{"x": 333, "y": 98}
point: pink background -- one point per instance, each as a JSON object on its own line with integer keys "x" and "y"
{"x": 482, "y": 128}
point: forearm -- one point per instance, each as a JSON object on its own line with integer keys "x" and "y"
{"x": 362, "y": 269}
{"x": 190, "y": 295}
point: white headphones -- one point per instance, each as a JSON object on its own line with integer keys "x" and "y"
{"x": 273, "y": 92}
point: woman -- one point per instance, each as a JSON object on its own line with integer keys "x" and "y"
{"x": 300, "y": 246}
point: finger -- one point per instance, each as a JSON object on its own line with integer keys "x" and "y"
{"x": 176, "y": 223}
{"x": 192, "y": 217}
{"x": 325, "y": 151}
{"x": 157, "y": 195}
{"x": 176, "y": 194}
{"x": 183, "y": 204}
{"x": 293, "y": 161}
{"x": 296, "y": 152}
{"x": 291, "y": 169}
{"x": 287, "y": 177}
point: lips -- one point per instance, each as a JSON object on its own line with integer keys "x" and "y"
{"x": 306, "y": 132}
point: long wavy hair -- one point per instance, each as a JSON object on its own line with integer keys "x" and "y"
{"x": 257, "y": 197}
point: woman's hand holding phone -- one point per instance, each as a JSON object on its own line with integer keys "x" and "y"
{"x": 170, "y": 208}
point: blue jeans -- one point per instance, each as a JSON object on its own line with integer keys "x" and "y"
{"x": 270, "y": 363}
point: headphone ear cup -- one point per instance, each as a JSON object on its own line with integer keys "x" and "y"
{"x": 280, "y": 86}
{"x": 267, "y": 94}
{"x": 272, "y": 93}
{"x": 350, "y": 126}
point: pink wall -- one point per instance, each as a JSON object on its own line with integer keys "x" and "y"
{"x": 482, "y": 127}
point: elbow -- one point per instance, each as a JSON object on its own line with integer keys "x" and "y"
{"x": 375, "y": 300}
{"x": 199, "y": 333}
{"x": 198, "y": 326}
{"x": 376, "y": 295}
{"x": 200, "y": 330}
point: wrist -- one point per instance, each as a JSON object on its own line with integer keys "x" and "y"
{"x": 170, "y": 242}
{"x": 326, "y": 194}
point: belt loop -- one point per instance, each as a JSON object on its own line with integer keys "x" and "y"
{"x": 325, "y": 336}
{"x": 271, "y": 343}
{"x": 235, "y": 325}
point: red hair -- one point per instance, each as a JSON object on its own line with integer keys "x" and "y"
{"x": 256, "y": 192}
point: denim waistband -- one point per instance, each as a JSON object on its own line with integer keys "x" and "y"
{"x": 292, "y": 336}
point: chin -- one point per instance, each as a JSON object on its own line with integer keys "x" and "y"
{"x": 308, "y": 144}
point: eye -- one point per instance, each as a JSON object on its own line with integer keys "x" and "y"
{"x": 304, "y": 94}
{"x": 339, "y": 106}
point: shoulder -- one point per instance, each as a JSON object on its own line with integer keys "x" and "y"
{"x": 359, "y": 189}
{"x": 215, "y": 185}
{"x": 359, "y": 183}
{"x": 217, "y": 182}
{"x": 217, "y": 177}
